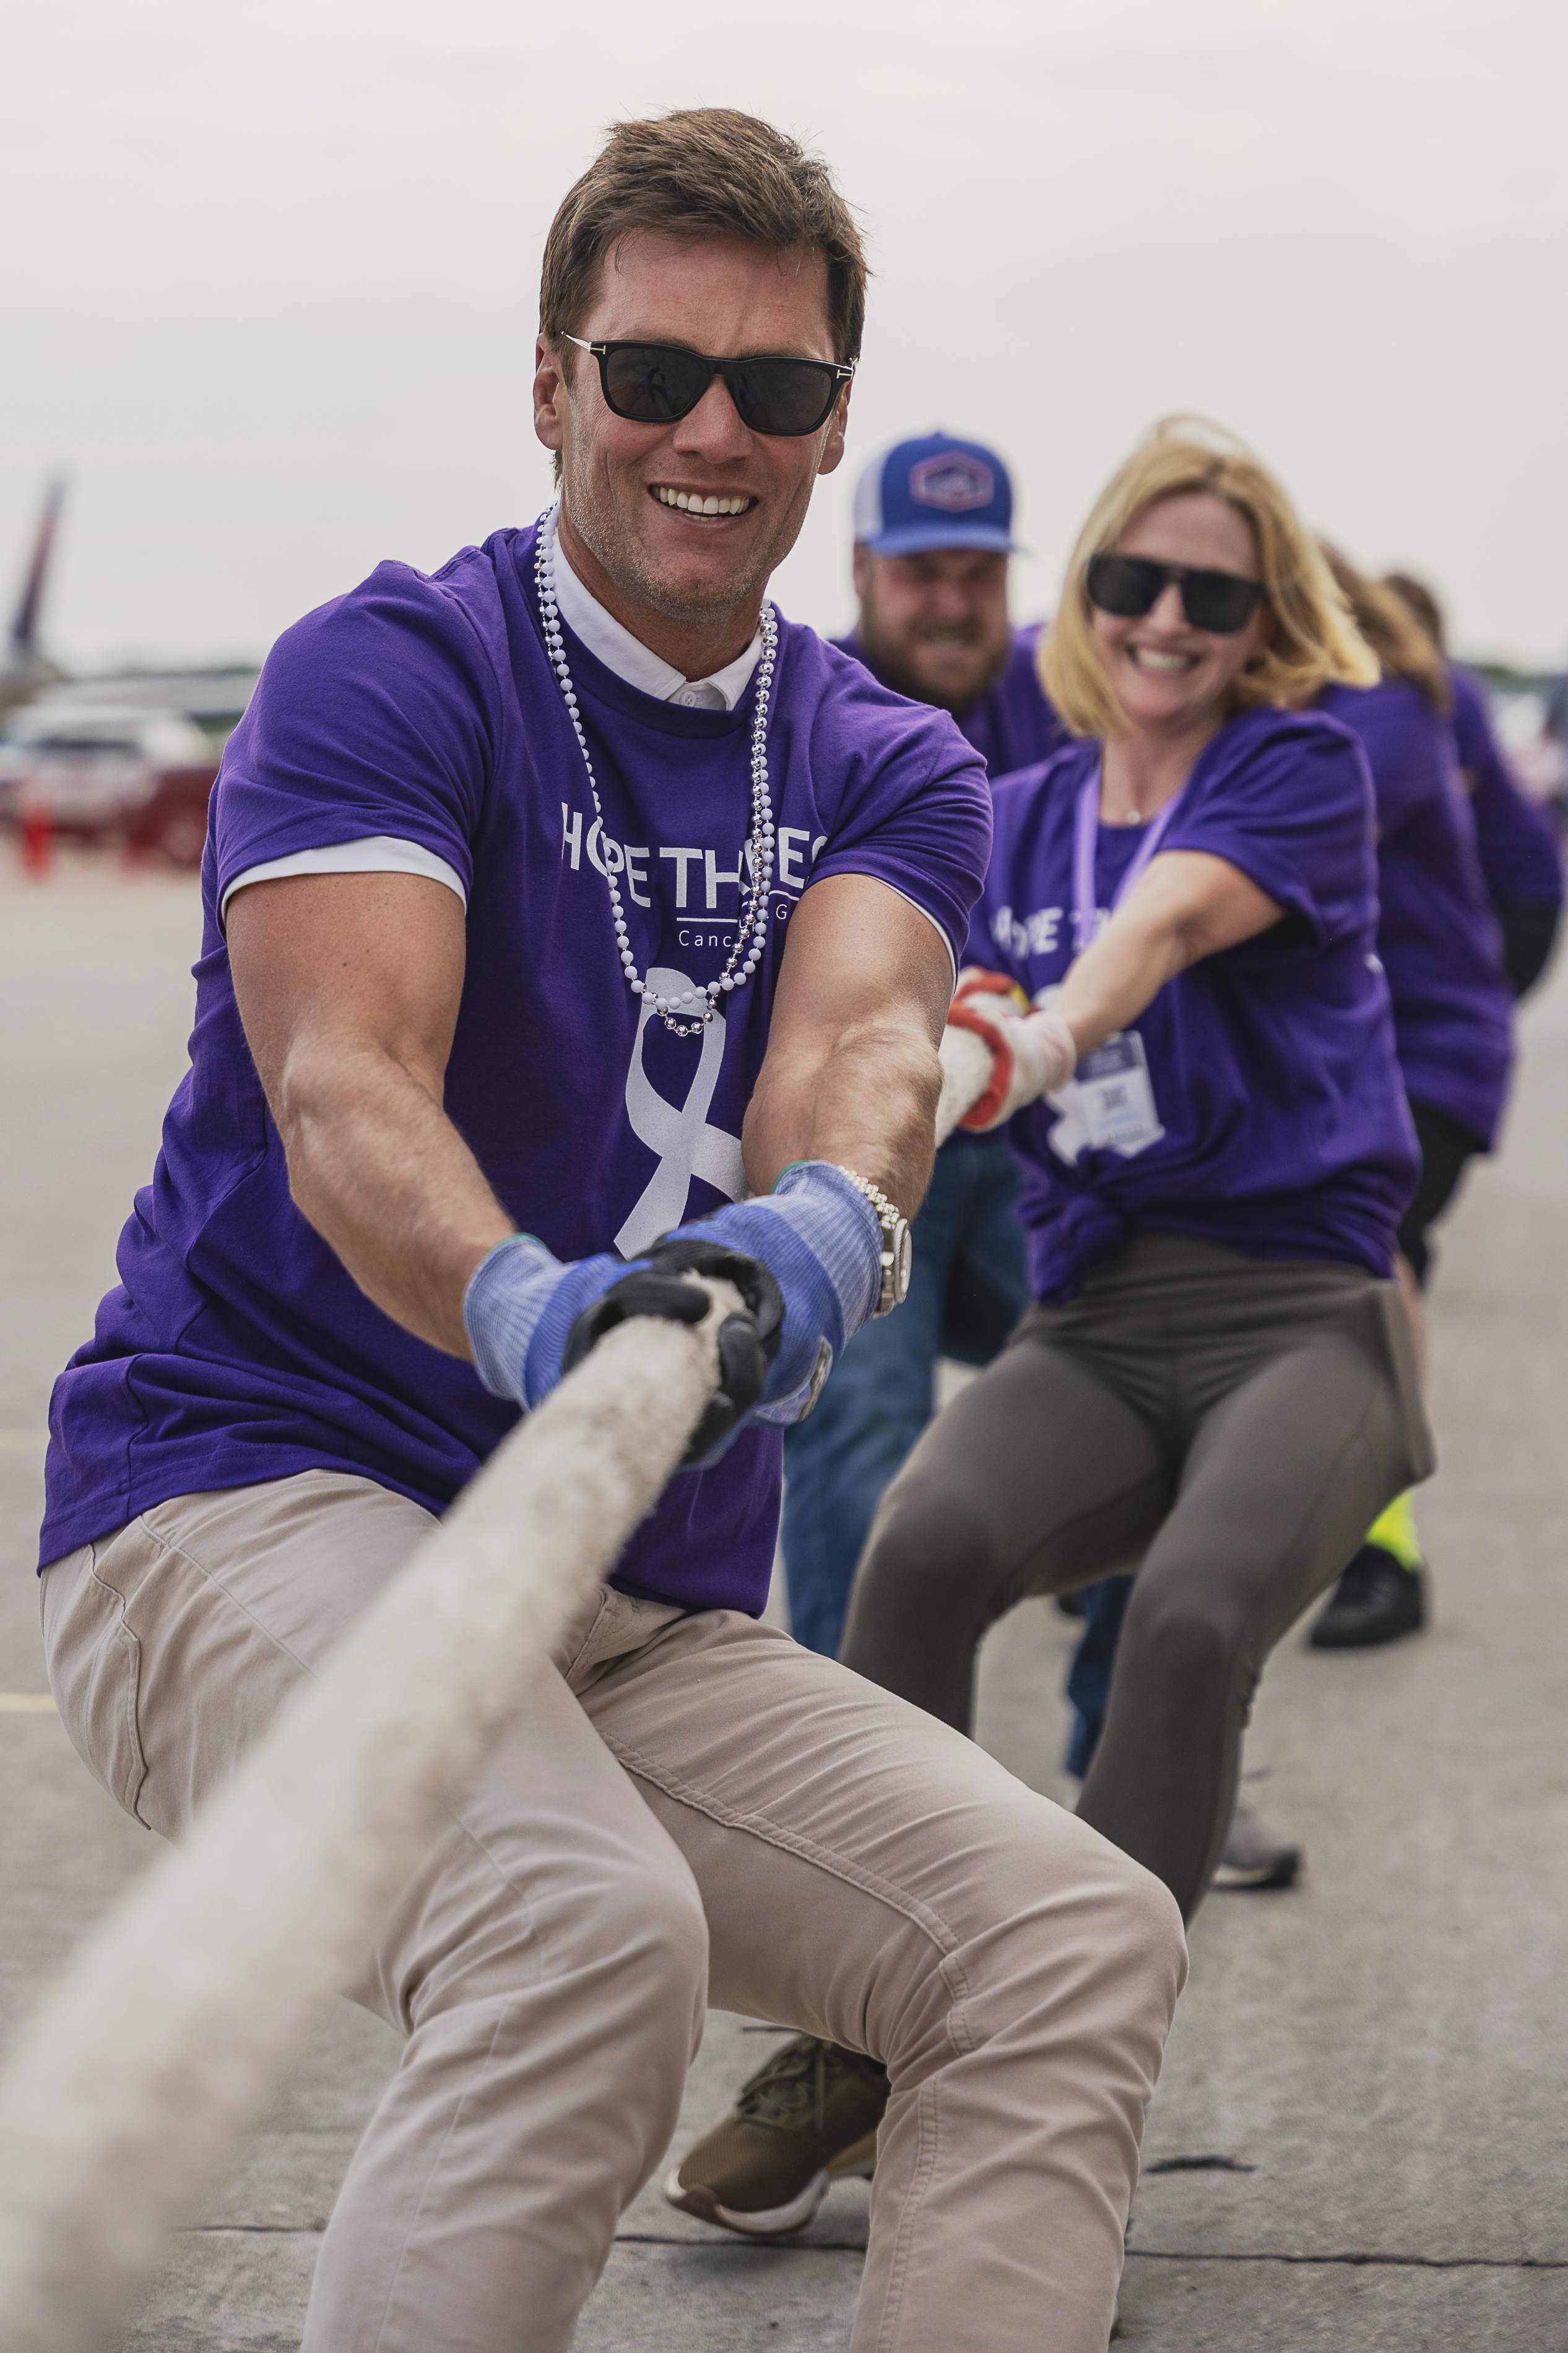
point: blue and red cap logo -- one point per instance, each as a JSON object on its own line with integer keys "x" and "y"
{"x": 934, "y": 493}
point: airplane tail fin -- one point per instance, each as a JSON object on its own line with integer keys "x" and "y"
{"x": 24, "y": 626}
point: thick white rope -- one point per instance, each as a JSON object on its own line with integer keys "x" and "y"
{"x": 171, "y": 2030}
{"x": 965, "y": 1075}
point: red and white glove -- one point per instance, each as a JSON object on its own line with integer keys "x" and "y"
{"x": 1032, "y": 1053}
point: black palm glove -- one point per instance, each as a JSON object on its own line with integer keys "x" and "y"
{"x": 747, "y": 1342}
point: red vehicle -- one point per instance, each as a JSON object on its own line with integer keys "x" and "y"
{"x": 130, "y": 778}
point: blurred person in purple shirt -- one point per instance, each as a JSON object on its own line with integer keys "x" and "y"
{"x": 934, "y": 533}
{"x": 1441, "y": 946}
{"x": 1517, "y": 842}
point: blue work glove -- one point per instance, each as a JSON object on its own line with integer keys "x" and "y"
{"x": 531, "y": 1318}
{"x": 818, "y": 1235}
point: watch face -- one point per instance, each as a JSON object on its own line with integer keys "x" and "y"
{"x": 904, "y": 1260}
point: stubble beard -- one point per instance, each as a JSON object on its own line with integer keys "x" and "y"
{"x": 605, "y": 531}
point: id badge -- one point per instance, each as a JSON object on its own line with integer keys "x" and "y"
{"x": 1115, "y": 1097}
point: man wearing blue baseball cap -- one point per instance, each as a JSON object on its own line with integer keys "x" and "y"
{"x": 934, "y": 533}
{"x": 933, "y": 530}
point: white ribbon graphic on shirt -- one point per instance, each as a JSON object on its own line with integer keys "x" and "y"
{"x": 686, "y": 1145}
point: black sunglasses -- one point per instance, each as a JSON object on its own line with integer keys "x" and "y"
{"x": 657, "y": 384}
{"x": 1131, "y": 585}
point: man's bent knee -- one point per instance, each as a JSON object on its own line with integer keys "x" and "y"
{"x": 1149, "y": 1935}
{"x": 664, "y": 1940}
{"x": 1087, "y": 1921}
{"x": 625, "y": 1941}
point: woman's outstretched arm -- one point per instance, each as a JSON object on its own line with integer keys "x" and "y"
{"x": 1188, "y": 905}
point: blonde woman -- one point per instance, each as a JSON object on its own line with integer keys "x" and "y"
{"x": 1216, "y": 1380}
{"x": 1217, "y": 1384}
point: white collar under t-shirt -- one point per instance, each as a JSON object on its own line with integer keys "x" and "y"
{"x": 609, "y": 642}
{"x": 632, "y": 660}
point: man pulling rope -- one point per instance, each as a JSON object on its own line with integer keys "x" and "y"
{"x": 484, "y": 842}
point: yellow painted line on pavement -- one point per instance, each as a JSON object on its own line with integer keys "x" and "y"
{"x": 26, "y": 1703}
{"x": 23, "y": 1442}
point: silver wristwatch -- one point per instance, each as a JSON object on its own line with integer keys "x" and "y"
{"x": 898, "y": 1249}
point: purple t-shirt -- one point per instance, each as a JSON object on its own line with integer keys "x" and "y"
{"x": 1516, "y": 841}
{"x": 237, "y": 1347}
{"x": 1014, "y": 725}
{"x": 1436, "y": 934}
{"x": 1271, "y": 1065}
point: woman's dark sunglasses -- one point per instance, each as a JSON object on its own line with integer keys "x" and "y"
{"x": 657, "y": 384}
{"x": 1131, "y": 585}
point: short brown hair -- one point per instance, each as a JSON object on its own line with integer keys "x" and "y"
{"x": 704, "y": 171}
{"x": 1315, "y": 641}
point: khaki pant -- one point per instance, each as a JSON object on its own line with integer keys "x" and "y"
{"x": 693, "y": 1808}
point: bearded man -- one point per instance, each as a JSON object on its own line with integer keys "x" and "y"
{"x": 933, "y": 539}
{"x": 554, "y": 905}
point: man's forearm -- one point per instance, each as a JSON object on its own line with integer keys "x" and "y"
{"x": 385, "y": 1179}
{"x": 866, "y": 1100}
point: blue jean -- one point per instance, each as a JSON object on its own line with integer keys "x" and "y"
{"x": 968, "y": 1288}
{"x": 1089, "y": 1677}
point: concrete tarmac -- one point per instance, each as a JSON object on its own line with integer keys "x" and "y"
{"x": 1359, "y": 2137}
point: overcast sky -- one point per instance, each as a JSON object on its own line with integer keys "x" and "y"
{"x": 270, "y": 273}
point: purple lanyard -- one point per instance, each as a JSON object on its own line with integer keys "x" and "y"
{"x": 1086, "y": 834}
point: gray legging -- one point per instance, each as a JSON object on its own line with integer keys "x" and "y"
{"x": 1232, "y": 1424}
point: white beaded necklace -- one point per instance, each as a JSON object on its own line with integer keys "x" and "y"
{"x": 752, "y": 922}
